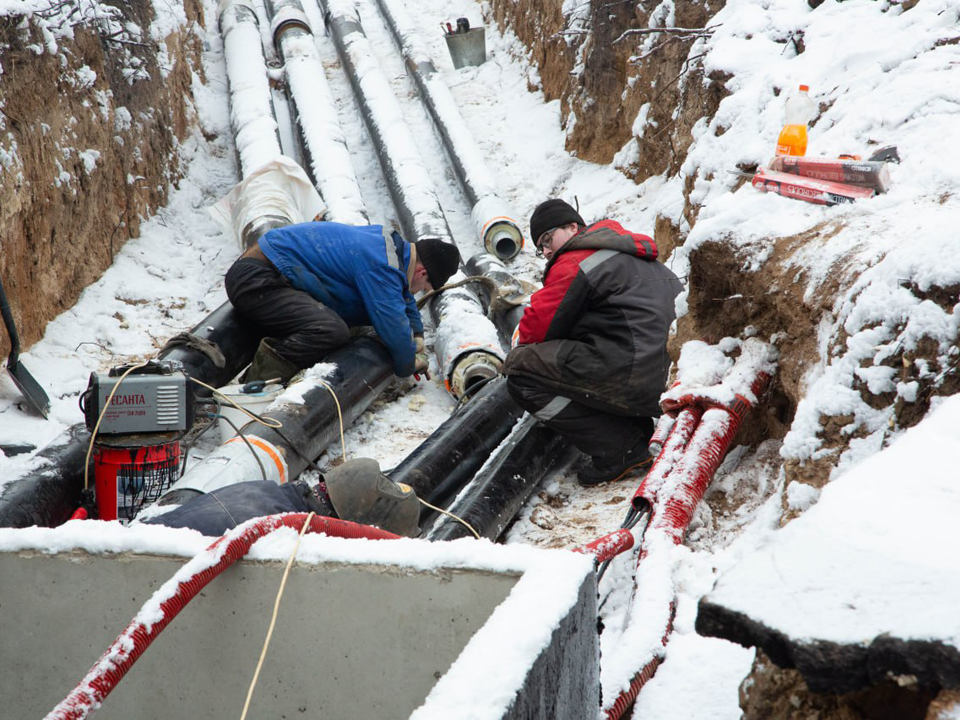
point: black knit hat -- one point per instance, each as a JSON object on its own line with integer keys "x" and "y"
{"x": 552, "y": 214}
{"x": 440, "y": 258}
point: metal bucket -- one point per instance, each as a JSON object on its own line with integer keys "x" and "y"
{"x": 467, "y": 48}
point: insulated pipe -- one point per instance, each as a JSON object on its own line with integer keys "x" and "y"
{"x": 362, "y": 370}
{"x": 413, "y": 193}
{"x": 494, "y": 497}
{"x": 492, "y": 216}
{"x": 468, "y": 350}
{"x": 251, "y": 105}
{"x": 512, "y": 297}
{"x": 466, "y": 342}
{"x": 167, "y": 602}
{"x": 453, "y": 453}
{"x": 323, "y": 143}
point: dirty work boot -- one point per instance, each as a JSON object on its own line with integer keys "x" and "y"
{"x": 630, "y": 462}
{"x": 268, "y": 365}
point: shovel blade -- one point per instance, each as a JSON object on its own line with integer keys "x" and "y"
{"x": 29, "y": 387}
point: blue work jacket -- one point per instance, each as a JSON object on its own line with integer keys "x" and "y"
{"x": 359, "y": 272}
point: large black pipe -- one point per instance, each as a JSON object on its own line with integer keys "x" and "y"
{"x": 362, "y": 370}
{"x": 494, "y": 497}
{"x": 449, "y": 458}
{"x": 49, "y": 494}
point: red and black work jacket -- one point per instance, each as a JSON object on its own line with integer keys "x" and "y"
{"x": 597, "y": 330}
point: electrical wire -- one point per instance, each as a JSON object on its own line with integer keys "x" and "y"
{"x": 273, "y": 619}
{"x": 263, "y": 471}
{"x": 269, "y": 422}
{"x": 451, "y": 515}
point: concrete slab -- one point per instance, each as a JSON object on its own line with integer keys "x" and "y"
{"x": 353, "y": 639}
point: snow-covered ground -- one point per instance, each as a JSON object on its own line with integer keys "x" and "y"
{"x": 900, "y": 91}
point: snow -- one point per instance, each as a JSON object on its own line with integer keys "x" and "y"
{"x": 879, "y": 536}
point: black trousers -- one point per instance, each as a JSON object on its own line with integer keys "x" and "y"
{"x": 603, "y": 435}
{"x": 302, "y": 330}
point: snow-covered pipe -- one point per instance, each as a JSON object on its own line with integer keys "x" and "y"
{"x": 167, "y": 602}
{"x": 323, "y": 142}
{"x": 466, "y": 343}
{"x": 251, "y": 105}
{"x": 414, "y": 196}
{"x": 492, "y": 216}
{"x": 360, "y": 373}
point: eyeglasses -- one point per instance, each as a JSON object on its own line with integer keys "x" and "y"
{"x": 544, "y": 240}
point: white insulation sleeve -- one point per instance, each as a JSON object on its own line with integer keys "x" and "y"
{"x": 234, "y": 462}
{"x": 279, "y": 188}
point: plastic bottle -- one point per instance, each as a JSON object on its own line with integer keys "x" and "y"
{"x": 799, "y": 111}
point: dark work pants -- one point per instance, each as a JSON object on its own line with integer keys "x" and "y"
{"x": 302, "y": 330}
{"x": 603, "y": 435}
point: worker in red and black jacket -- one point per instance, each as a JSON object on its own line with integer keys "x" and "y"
{"x": 591, "y": 358}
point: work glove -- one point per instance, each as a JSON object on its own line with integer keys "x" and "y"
{"x": 418, "y": 340}
{"x": 420, "y": 365}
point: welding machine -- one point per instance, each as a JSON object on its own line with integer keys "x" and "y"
{"x": 155, "y": 398}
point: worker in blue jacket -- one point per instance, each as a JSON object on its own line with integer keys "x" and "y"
{"x": 304, "y": 286}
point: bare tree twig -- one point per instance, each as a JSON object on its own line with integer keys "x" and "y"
{"x": 695, "y": 32}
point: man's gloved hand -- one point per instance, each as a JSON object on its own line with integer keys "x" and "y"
{"x": 420, "y": 364}
{"x": 418, "y": 340}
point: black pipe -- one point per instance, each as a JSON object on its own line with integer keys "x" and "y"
{"x": 494, "y": 497}
{"x": 453, "y": 453}
{"x": 362, "y": 371}
{"x": 50, "y": 493}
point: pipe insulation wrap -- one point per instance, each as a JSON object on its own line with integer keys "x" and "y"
{"x": 414, "y": 197}
{"x": 251, "y": 105}
{"x": 476, "y": 180}
{"x": 322, "y": 137}
{"x": 231, "y": 463}
{"x": 513, "y": 295}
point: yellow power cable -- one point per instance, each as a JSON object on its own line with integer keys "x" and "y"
{"x": 268, "y": 422}
{"x": 343, "y": 444}
{"x": 450, "y": 514}
{"x": 93, "y": 435}
{"x": 273, "y": 620}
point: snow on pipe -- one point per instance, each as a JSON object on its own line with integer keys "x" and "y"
{"x": 466, "y": 342}
{"x": 174, "y": 595}
{"x": 468, "y": 350}
{"x": 322, "y": 139}
{"x": 360, "y": 373}
{"x": 413, "y": 193}
{"x": 492, "y": 216}
{"x": 455, "y": 451}
{"x": 512, "y": 295}
{"x": 676, "y": 496}
{"x": 495, "y": 495}
{"x": 251, "y": 105}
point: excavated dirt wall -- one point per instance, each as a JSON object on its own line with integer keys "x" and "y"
{"x": 90, "y": 127}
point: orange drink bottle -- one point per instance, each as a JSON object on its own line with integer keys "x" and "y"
{"x": 799, "y": 111}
